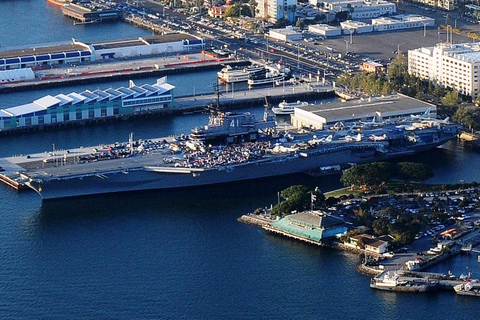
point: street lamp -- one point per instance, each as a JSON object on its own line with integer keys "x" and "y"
{"x": 298, "y": 58}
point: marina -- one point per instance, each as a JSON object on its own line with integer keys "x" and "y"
{"x": 61, "y": 259}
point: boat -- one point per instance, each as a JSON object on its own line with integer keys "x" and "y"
{"x": 58, "y": 3}
{"x": 232, "y": 147}
{"x": 288, "y": 107}
{"x": 393, "y": 281}
{"x": 467, "y": 289}
{"x": 232, "y": 75}
{"x": 269, "y": 77}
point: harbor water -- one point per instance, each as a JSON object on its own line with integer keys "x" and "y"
{"x": 181, "y": 254}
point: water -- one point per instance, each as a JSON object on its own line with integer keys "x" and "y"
{"x": 181, "y": 254}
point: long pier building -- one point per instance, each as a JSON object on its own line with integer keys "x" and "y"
{"x": 88, "y": 106}
{"x": 81, "y": 52}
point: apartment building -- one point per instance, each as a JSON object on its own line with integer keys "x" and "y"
{"x": 449, "y": 65}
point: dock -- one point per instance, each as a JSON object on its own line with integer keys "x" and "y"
{"x": 258, "y": 220}
{"x": 121, "y": 70}
{"x": 445, "y": 281}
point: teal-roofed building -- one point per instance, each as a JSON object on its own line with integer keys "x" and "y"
{"x": 89, "y": 106}
{"x": 316, "y": 227}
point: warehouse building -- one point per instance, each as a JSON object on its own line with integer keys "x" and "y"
{"x": 325, "y": 30}
{"x": 88, "y": 106}
{"x": 285, "y": 34}
{"x": 373, "y": 110}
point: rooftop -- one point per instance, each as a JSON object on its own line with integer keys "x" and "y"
{"x": 367, "y": 108}
{"x": 316, "y": 219}
{"x": 81, "y": 46}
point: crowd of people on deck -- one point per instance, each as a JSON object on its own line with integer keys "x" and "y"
{"x": 225, "y": 155}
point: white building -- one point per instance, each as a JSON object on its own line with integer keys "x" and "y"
{"x": 350, "y": 26}
{"x": 325, "y": 30}
{"x": 362, "y": 9}
{"x": 273, "y": 10}
{"x": 444, "y": 4}
{"x": 402, "y": 22}
{"x": 321, "y": 116}
{"x": 16, "y": 75}
{"x": 285, "y": 34}
{"x": 449, "y": 65}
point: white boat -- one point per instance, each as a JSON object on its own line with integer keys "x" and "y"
{"x": 392, "y": 281}
{"x": 267, "y": 79}
{"x": 467, "y": 289}
{"x": 231, "y": 75}
{"x": 288, "y": 107}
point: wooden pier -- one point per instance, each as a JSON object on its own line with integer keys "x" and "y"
{"x": 12, "y": 182}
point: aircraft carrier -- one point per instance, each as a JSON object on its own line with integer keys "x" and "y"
{"x": 240, "y": 148}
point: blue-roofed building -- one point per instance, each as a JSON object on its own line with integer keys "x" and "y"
{"x": 89, "y": 106}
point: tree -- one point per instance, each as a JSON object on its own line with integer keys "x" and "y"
{"x": 300, "y": 24}
{"x": 368, "y": 175}
{"x": 253, "y": 5}
{"x": 297, "y": 198}
{"x": 414, "y": 171}
{"x": 396, "y": 72}
{"x": 465, "y": 117}
{"x": 232, "y": 11}
{"x": 451, "y": 99}
{"x": 380, "y": 227}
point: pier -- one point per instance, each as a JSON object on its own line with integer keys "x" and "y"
{"x": 121, "y": 70}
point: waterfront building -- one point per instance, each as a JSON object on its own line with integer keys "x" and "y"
{"x": 399, "y": 22}
{"x": 367, "y": 242}
{"x": 89, "y": 14}
{"x": 367, "y": 111}
{"x": 312, "y": 226}
{"x": 11, "y": 76}
{"x": 285, "y": 34}
{"x": 79, "y": 52}
{"x": 273, "y": 10}
{"x": 88, "y": 106}
{"x": 449, "y": 65}
{"x": 325, "y": 30}
{"x": 359, "y": 10}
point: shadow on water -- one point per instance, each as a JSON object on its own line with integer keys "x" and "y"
{"x": 242, "y": 196}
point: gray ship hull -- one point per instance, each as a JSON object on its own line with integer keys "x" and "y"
{"x": 154, "y": 177}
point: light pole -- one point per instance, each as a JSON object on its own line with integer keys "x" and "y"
{"x": 298, "y": 58}
{"x": 424, "y": 29}
{"x": 346, "y": 46}
{"x": 398, "y": 47}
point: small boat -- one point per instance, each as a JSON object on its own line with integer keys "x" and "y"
{"x": 467, "y": 289}
{"x": 268, "y": 78}
{"x": 231, "y": 75}
{"x": 288, "y": 107}
{"x": 392, "y": 281}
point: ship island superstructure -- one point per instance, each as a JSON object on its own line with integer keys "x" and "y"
{"x": 257, "y": 150}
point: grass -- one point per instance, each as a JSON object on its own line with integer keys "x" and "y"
{"x": 396, "y": 187}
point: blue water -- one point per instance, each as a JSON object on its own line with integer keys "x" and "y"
{"x": 180, "y": 254}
